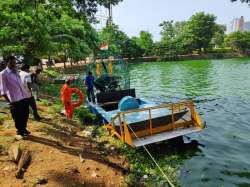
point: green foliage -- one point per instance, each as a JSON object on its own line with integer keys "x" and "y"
{"x": 185, "y": 37}
{"x": 219, "y": 36}
{"x": 119, "y": 43}
{"x": 239, "y": 41}
{"x": 202, "y": 27}
{"x": 145, "y": 42}
{"x": 48, "y": 28}
{"x": 84, "y": 116}
{"x": 115, "y": 38}
{"x": 175, "y": 40}
{"x": 132, "y": 49}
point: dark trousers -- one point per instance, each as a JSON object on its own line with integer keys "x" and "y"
{"x": 32, "y": 104}
{"x": 91, "y": 95}
{"x": 20, "y": 114}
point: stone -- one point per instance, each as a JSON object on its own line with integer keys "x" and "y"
{"x": 15, "y": 153}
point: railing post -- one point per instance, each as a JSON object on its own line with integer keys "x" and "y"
{"x": 172, "y": 107}
{"x": 191, "y": 105}
{"x": 121, "y": 127}
{"x": 124, "y": 126}
{"x": 150, "y": 121}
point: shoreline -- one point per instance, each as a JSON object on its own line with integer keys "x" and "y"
{"x": 207, "y": 56}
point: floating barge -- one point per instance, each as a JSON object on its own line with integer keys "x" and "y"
{"x": 139, "y": 122}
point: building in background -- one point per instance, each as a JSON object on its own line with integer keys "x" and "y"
{"x": 247, "y": 26}
{"x": 237, "y": 24}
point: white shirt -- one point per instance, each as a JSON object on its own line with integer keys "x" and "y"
{"x": 26, "y": 78}
{"x": 12, "y": 86}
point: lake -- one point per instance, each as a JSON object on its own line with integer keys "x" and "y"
{"x": 221, "y": 92}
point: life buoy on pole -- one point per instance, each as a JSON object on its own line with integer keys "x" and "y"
{"x": 80, "y": 96}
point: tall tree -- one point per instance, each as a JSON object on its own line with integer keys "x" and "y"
{"x": 202, "y": 27}
{"x": 115, "y": 38}
{"x": 219, "y": 36}
{"x": 145, "y": 42}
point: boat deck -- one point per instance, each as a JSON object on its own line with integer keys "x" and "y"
{"x": 164, "y": 136}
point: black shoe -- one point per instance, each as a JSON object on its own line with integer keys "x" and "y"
{"x": 38, "y": 99}
{"x": 26, "y": 133}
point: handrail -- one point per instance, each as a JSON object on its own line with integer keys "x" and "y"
{"x": 189, "y": 104}
{"x": 125, "y": 135}
{"x": 157, "y": 107}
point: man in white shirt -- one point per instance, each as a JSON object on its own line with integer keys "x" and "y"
{"x": 12, "y": 89}
{"x": 26, "y": 79}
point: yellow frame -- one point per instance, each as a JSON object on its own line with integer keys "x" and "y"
{"x": 126, "y": 136}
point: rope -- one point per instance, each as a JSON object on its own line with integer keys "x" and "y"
{"x": 161, "y": 170}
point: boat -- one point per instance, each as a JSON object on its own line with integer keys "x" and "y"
{"x": 137, "y": 121}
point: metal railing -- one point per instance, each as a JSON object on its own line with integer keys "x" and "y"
{"x": 173, "y": 107}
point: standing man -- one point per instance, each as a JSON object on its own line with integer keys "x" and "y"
{"x": 12, "y": 89}
{"x": 27, "y": 82}
{"x": 35, "y": 83}
{"x": 89, "y": 82}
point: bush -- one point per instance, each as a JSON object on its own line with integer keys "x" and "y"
{"x": 84, "y": 116}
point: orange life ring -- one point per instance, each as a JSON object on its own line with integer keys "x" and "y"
{"x": 80, "y": 96}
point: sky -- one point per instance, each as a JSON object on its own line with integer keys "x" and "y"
{"x": 132, "y": 16}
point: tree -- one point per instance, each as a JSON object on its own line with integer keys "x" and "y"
{"x": 89, "y": 7}
{"x": 175, "y": 40}
{"x": 202, "y": 27}
{"x": 115, "y": 38}
{"x": 239, "y": 41}
{"x": 42, "y": 28}
{"x": 145, "y": 42}
{"x": 132, "y": 49}
{"x": 219, "y": 36}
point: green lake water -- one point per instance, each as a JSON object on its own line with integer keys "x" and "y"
{"x": 221, "y": 92}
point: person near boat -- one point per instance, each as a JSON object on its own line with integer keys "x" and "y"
{"x": 35, "y": 83}
{"x": 66, "y": 98}
{"x": 13, "y": 90}
{"x": 26, "y": 79}
{"x": 89, "y": 83}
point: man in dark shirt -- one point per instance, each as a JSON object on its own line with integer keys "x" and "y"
{"x": 89, "y": 82}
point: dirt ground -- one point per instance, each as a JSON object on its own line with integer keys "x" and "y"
{"x": 55, "y": 150}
